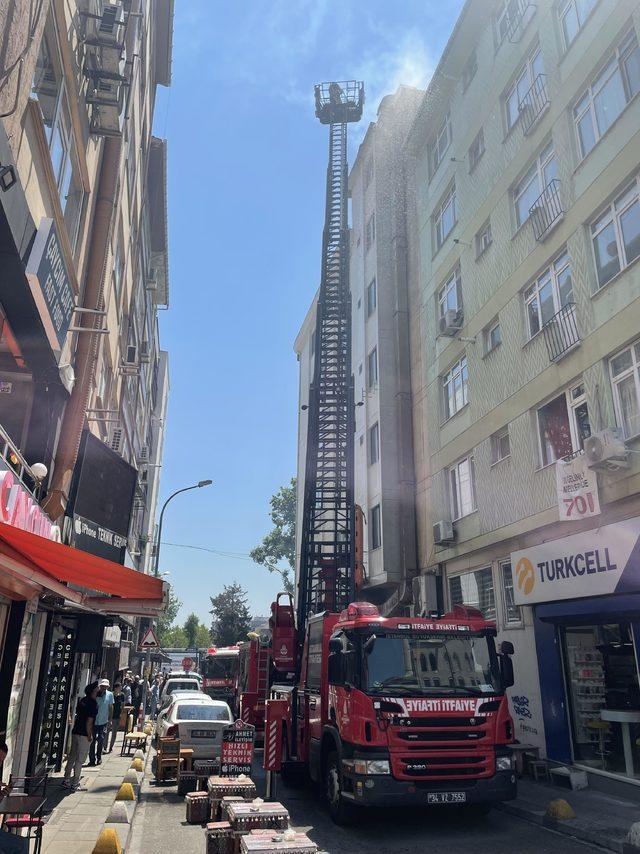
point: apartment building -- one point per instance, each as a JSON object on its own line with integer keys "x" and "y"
{"x": 83, "y": 379}
{"x": 383, "y": 458}
{"x": 524, "y": 306}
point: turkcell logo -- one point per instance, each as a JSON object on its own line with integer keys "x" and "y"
{"x": 592, "y": 563}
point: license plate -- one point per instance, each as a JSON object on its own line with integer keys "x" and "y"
{"x": 203, "y": 733}
{"x": 447, "y": 798}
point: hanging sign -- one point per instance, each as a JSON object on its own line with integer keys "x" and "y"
{"x": 149, "y": 641}
{"x": 51, "y": 283}
{"x": 237, "y": 749}
{"x": 577, "y": 486}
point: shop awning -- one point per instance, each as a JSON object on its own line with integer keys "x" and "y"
{"x": 41, "y": 561}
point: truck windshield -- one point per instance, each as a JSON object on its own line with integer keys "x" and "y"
{"x": 430, "y": 665}
{"x": 220, "y": 667}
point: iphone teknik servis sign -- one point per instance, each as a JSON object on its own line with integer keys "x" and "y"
{"x": 592, "y": 563}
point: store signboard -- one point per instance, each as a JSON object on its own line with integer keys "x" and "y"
{"x": 577, "y": 487}
{"x": 56, "y": 699}
{"x": 601, "y": 561}
{"x": 237, "y": 749}
{"x": 20, "y": 509}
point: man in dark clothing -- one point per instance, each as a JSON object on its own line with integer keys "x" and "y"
{"x": 118, "y": 706}
{"x": 82, "y": 734}
{"x": 136, "y": 699}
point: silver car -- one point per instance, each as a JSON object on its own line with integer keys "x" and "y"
{"x": 197, "y": 721}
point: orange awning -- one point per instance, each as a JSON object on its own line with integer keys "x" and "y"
{"x": 65, "y": 564}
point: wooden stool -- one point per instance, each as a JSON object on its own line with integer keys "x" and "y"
{"x": 539, "y": 768}
{"x": 186, "y": 754}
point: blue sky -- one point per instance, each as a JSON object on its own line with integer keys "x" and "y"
{"x": 247, "y": 162}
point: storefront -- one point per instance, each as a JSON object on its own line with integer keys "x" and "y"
{"x": 585, "y": 593}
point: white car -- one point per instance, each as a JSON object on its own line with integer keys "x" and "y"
{"x": 177, "y": 683}
{"x": 197, "y": 721}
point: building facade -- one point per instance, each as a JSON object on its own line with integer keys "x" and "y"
{"x": 524, "y": 306}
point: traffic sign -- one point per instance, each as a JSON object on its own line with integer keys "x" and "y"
{"x": 149, "y": 641}
{"x": 187, "y": 663}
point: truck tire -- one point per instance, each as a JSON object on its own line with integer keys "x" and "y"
{"x": 341, "y": 812}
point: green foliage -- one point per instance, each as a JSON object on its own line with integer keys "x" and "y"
{"x": 174, "y": 637}
{"x": 203, "y": 639}
{"x": 231, "y": 619}
{"x": 166, "y": 620}
{"x": 190, "y": 628}
{"x": 280, "y": 543}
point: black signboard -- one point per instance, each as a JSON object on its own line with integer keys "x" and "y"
{"x": 237, "y": 749}
{"x": 56, "y": 699}
{"x": 50, "y": 283}
{"x": 100, "y": 500}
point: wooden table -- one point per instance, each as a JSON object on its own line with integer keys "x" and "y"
{"x": 186, "y": 754}
{"x": 519, "y": 751}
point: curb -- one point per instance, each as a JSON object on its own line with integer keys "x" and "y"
{"x": 138, "y": 798}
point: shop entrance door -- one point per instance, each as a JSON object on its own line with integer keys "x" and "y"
{"x": 604, "y": 696}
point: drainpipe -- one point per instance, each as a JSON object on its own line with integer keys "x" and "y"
{"x": 87, "y": 348}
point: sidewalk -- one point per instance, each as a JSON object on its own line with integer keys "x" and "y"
{"x": 600, "y": 819}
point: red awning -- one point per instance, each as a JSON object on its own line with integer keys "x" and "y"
{"x": 65, "y": 564}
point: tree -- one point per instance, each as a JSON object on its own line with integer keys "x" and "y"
{"x": 175, "y": 638}
{"x": 231, "y": 617}
{"x": 190, "y": 628}
{"x": 165, "y": 621}
{"x": 203, "y": 639}
{"x": 280, "y": 543}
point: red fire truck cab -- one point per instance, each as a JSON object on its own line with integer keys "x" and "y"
{"x": 220, "y": 674}
{"x": 398, "y": 711}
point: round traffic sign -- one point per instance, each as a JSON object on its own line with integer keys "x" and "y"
{"x": 187, "y": 663}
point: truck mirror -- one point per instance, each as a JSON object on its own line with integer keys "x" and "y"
{"x": 506, "y": 670}
{"x": 335, "y": 645}
{"x": 506, "y": 648}
{"x": 334, "y": 668}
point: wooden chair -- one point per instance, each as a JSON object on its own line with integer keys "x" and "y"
{"x": 33, "y": 824}
{"x": 168, "y": 759}
{"x": 132, "y": 741}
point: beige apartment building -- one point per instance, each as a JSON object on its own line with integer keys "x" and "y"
{"x": 525, "y": 350}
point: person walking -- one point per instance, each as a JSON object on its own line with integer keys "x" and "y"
{"x": 136, "y": 699}
{"x": 155, "y": 696}
{"x": 126, "y": 689}
{"x": 118, "y": 706}
{"x": 81, "y": 736}
{"x": 105, "y": 711}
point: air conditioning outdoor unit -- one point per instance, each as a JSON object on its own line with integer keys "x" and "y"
{"x": 606, "y": 449}
{"x": 451, "y": 322}
{"x": 443, "y": 532}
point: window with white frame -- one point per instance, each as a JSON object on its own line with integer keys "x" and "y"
{"x": 616, "y": 234}
{"x": 551, "y": 291}
{"x": 445, "y": 216}
{"x": 374, "y": 444}
{"x": 469, "y": 70}
{"x": 563, "y": 425}
{"x": 512, "y": 613}
{"x": 528, "y": 189}
{"x": 439, "y": 144}
{"x": 450, "y": 294}
{"x": 524, "y": 80}
{"x": 483, "y": 239}
{"x": 573, "y": 16}
{"x": 475, "y": 589}
{"x": 372, "y": 368}
{"x": 608, "y": 95}
{"x": 492, "y": 336}
{"x": 511, "y": 15}
{"x": 370, "y": 232}
{"x": 376, "y": 527}
{"x": 476, "y": 150}
{"x": 462, "y": 488}
{"x": 372, "y": 297}
{"x": 625, "y": 379}
{"x": 500, "y": 446}
{"x": 455, "y": 388}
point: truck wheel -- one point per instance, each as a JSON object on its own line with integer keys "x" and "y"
{"x": 340, "y": 811}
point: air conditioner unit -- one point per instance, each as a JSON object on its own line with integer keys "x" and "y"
{"x": 443, "y": 532}
{"x": 451, "y": 322}
{"x": 606, "y": 449}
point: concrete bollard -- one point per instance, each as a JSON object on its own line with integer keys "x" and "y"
{"x": 125, "y": 793}
{"x": 137, "y": 765}
{"x": 559, "y": 810}
{"x": 108, "y": 842}
{"x": 118, "y": 814}
{"x": 132, "y": 777}
{"x": 139, "y": 754}
{"x": 148, "y": 729}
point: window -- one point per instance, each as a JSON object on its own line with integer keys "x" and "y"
{"x": 523, "y": 82}
{"x": 609, "y": 94}
{"x": 374, "y": 444}
{"x": 445, "y": 217}
{"x": 368, "y": 172}
{"x": 372, "y": 298}
{"x": 616, "y": 234}
{"x": 528, "y": 189}
{"x": 376, "y": 529}
{"x": 370, "y": 233}
{"x": 548, "y": 294}
{"x": 454, "y": 388}
{"x": 475, "y": 589}
{"x": 500, "y": 448}
{"x": 625, "y": 378}
{"x": 573, "y": 16}
{"x": 469, "y": 70}
{"x": 117, "y": 270}
{"x": 492, "y": 336}
{"x": 512, "y": 612}
{"x": 483, "y": 239}
{"x": 450, "y": 294}
{"x": 372, "y": 368}
{"x": 462, "y": 488}
{"x": 563, "y": 425}
{"x": 314, "y": 655}
{"x": 476, "y": 150}
{"x": 439, "y": 145}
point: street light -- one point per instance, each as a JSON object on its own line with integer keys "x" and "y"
{"x": 197, "y": 485}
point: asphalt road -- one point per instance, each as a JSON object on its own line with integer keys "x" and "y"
{"x": 160, "y": 826}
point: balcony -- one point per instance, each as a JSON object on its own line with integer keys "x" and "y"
{"x": 561, "y": 332}
{"x": 519, "y": 13}
{"x": 547, "y": 211}
{"x": 534, "y": 104}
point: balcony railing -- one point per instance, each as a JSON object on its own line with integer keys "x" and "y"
{"x": 561, "y": 332}
{"x": 519, "y": 14}
{"x": 547, "y": 210}
{"x": 534, "y": 104}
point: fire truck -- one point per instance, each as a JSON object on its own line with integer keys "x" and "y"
{"x": 219, "y": 669}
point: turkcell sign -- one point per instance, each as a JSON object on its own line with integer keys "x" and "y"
{"x": 593, "y": 563}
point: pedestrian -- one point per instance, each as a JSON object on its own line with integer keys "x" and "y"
{"x": 136, "y": 698}
{"x": 81, "y": 736}
{"x": 155, "y": 696}
{"x": 118, "y": 706}
{"x": 126, "y": 688}
{"x": 9, "y": 842}
{"x": 103, "y": 718}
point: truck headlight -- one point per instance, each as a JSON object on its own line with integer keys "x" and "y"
{"x": 372, "y": 766}
{"x": 504, "y": 763}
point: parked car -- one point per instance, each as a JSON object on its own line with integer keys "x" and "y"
{"x": 197, "y": 721}
{"x": 177, "y": 683}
